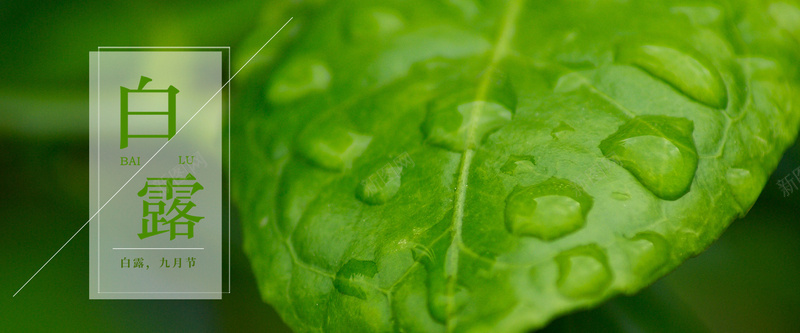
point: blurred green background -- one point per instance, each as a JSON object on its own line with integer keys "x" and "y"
{"x": 748, "y": 281}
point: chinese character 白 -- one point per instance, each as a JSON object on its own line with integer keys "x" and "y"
{"x": 125, "y": 112}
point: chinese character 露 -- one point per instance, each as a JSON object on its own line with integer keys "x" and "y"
{"x": 167, "y": 202}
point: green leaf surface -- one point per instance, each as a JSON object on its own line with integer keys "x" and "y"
{"x": 484, "y": 166}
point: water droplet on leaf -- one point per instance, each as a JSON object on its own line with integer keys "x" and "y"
{"x": 352, "y": 277}
{"x": 464, "y": 126}
{"x": 560, "y": 130}
{"x": 583, "y": 272}
{"x": 416, "y": 46}
{"x": 691, "y": 75}
{"x": 621, "y": 196}
{"x": 744, "y": 186}
{"x": 301, "y": 77}
{"x": 380, "y": 186}
{"x": 549, "y": 210}
{"x": 570, "y": 82}
{"x": 332, "y": 147}
{"x": 648, "y": 251}
{"x": 659, "y": 151}
{"x": 517, "y": 164}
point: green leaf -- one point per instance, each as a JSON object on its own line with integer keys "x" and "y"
{"x": 431, "y": 166}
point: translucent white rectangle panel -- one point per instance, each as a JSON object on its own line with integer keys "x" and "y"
{"x": 160, "y": 234}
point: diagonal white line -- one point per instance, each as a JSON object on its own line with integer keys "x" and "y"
{"x": 151, "y": 158}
